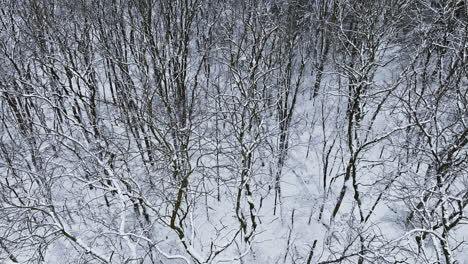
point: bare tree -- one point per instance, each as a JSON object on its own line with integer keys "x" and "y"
{"x": 272, "y": 131}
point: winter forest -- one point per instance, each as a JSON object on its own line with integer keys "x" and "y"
{"x": 233, "y": 131}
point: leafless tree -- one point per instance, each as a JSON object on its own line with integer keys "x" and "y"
{"x": 271, "y": 131}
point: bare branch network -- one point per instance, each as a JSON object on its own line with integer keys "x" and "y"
{"x": 233, "y": 131}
